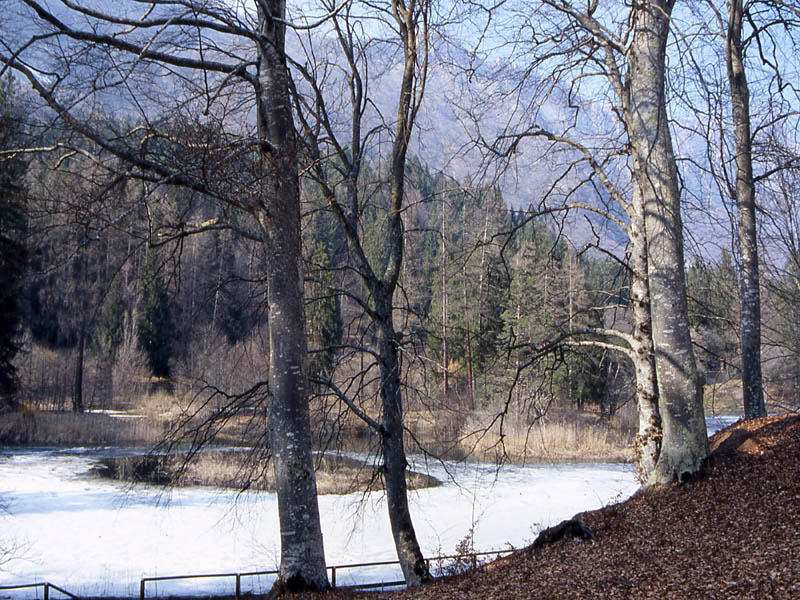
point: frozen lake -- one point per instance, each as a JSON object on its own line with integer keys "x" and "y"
{"x": 97, "y": 537}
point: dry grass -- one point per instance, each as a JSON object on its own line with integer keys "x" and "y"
{"x": 551, "y": 439}
{"x": 725, "y": 398}
{"x": 450, "y": 435}
{"x": 32, "y": 427}
{"x": 244, "y": 470}
{"x": 447, "y": 433}
{"x": 159, "y": 405}
{"x": 466, "y": 435}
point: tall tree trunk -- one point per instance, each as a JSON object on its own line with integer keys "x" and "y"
{"x": 752, "y": 389}
{"x": 648, "y": 438}
{"x": 77, "y": 389}
{"x": 409, "y": 554}
{"x": 445, "y": 356}
{"x": 685, "y": 444}
{"x": 278, "y": 211}
{"x": 412, "y": 562}
{"x": 391, "y": 429}
{"x": 470, "y": 378}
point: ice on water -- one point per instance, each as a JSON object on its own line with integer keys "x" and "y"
{"x": 96, "y": 537}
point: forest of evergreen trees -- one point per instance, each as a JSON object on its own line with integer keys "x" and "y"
{"x": 107, "y": 307}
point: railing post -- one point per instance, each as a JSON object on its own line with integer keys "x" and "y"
{"x": 238, "y": 586}
{"x": 46, "y": 591}
{"x": 333, "y": 577}
{"x": 141, "y": 589}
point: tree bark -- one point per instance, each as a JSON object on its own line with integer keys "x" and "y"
{"x": 278, "y": 212}
{"x": 412, "y": 561}
{"x": 685, "y": 444}
{"x": 648, "y": 439}
{"x": 445, "y": 356}
{"x": 752, "y": 388}
{"x": 77, "y": 390}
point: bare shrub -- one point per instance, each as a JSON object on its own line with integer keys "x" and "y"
{"x": 10, "y": 549}
{"x": 46, "y": 376}
{"x": 214, "y": 363}
{"x": 464, "y": 559}
{"x": 129, "y": 371}
{"x": 438, "y": 432}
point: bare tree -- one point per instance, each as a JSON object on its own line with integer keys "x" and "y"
{"x": 753, "y": 393}
{"x": 684, "y": 445}
{"x": 341, "y": 181}
{"x": 581, "y": 42}
{"x": 781, "y": 250}
{"x": 637, "y": 342}
{"x": 219, "y": 66}
{"x": 737, "y": 127}
{"x": 762, "y": 16}
{"x": 741, "y": 187}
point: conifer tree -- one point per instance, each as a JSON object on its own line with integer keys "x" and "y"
{"x": 156, "y": 327}
{"x": 12, "y": 249}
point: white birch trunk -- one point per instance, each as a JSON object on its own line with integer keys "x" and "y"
{"x": 648, "y": 439}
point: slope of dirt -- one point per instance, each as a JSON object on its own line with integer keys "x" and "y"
{"x": 731, "y": 532}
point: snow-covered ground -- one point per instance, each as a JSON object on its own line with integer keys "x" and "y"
{"x": 95, "y": 537}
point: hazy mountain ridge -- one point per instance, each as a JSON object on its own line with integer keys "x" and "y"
{"x": 463, "y": 113}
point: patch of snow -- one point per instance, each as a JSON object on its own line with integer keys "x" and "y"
{"x": 115, "y": 414}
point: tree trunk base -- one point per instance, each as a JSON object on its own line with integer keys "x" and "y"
{"x": 293, "y": 585}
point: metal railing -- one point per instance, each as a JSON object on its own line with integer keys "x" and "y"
{"x": 469, "y": 560}
{"x": 238, "y": 576}
{"x": 47, "y": 587}
{"x": 365, "y": 586}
